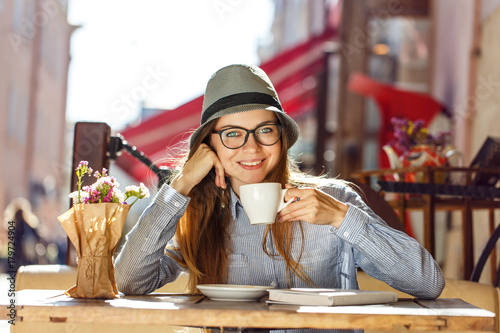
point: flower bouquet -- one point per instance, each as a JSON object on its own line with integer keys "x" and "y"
{"x": 408, "y": 135}
{"x": 417, "y": 147}
{"x": 94, "y": 226}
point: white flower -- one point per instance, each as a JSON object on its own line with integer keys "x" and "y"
{"x": 74, "y": 197}
{"x": 132, "y": 189}
{"x": 144, "y": 191}
{"x": 139, "y": 192}
{"x": 118, "y": 196}
{"x": 109, "y": 181}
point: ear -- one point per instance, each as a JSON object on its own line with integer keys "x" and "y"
{"x": 208, "y": 141}
{"x": 210, "y": 144}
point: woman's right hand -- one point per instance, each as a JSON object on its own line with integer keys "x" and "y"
{"x": 196, "y": 168}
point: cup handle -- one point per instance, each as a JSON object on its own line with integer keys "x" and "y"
{"x": 283, "y": 204}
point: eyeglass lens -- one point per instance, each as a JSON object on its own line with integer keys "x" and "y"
{"x": 266, "y": 135}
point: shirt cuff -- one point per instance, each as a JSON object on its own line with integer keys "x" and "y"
{"x": 160, "y": 219}
{"x": 353, "y": 225}
{"x": 171, "y": 200}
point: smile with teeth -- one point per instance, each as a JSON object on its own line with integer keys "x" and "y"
{"x": 251, "y": 163}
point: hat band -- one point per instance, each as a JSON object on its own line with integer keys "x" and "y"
{"x": 239, "y": 99}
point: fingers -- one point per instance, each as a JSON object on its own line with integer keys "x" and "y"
{"x": 297, "y": 210}
{"x": 298, "y": 193}
{"x": 292, "y": 192}
{"x": 313, "y": 206}
{"x": 209, "y": 157}
{"x": 197, "y": 167}
{"x": 220, "y": 175}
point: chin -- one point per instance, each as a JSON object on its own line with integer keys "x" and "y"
{"x": 254, "y": 179}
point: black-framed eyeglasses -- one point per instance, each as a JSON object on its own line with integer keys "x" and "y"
{"x": 236, "y": 137}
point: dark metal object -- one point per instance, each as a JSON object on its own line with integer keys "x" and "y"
{"x": 118, "y": 143}
{"x": 478, "y": 192}
{"x": 487, "y": 250}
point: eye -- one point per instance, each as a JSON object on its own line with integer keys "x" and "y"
{"x": 232, "y": 133}
{"x": 266, "y": 129}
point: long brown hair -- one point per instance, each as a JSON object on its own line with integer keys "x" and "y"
{"x": 203, "y": 233}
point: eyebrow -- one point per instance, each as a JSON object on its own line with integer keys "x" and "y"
{"x": 267, "y": 122}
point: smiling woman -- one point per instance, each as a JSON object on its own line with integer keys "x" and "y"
{"x": 197, "y": 223}
{"x": 246, "y": 159}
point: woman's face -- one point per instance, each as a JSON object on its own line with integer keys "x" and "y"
{"x": 252, "y": 162}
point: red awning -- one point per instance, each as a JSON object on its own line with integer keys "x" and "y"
{"x": 394, "y": 102}
{"x": 294, "y": 74}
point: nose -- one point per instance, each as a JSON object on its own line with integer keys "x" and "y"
{"x": 251, "y": 143}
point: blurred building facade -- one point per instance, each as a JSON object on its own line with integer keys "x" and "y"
{"x": 35, "y": 43}
{"x": 296, "y": 22}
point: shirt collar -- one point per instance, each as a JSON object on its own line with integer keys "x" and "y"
{"x": 233, "y": 202}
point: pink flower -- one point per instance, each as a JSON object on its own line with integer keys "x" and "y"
{"x": 408, "y": 134}
{"x": 104, "y": 189}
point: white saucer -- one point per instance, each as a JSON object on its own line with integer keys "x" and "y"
{"x": 233, "y": 292}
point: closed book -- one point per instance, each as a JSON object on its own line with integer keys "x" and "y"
{"x": 330, "y": 297}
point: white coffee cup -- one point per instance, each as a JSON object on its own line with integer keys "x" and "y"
{"x": 262, "y": 201}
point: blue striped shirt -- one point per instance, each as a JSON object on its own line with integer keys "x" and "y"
{"x": 330, "y": 257}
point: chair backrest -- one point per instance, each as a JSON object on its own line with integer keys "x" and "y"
{"x": 91, "y": 140}
{"x": 487, "y": 250}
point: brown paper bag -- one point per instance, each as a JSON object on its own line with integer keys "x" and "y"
{"x": 95, "y": 230}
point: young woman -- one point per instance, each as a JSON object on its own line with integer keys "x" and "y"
{"x": 197, "y": 224}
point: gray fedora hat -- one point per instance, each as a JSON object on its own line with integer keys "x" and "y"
{"x": 240, "y": 88}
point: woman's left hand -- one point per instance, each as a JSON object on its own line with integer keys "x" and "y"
{"x": 313, "y": 206}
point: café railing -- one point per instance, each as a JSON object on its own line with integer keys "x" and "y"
{"x": 440, "y": 188}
